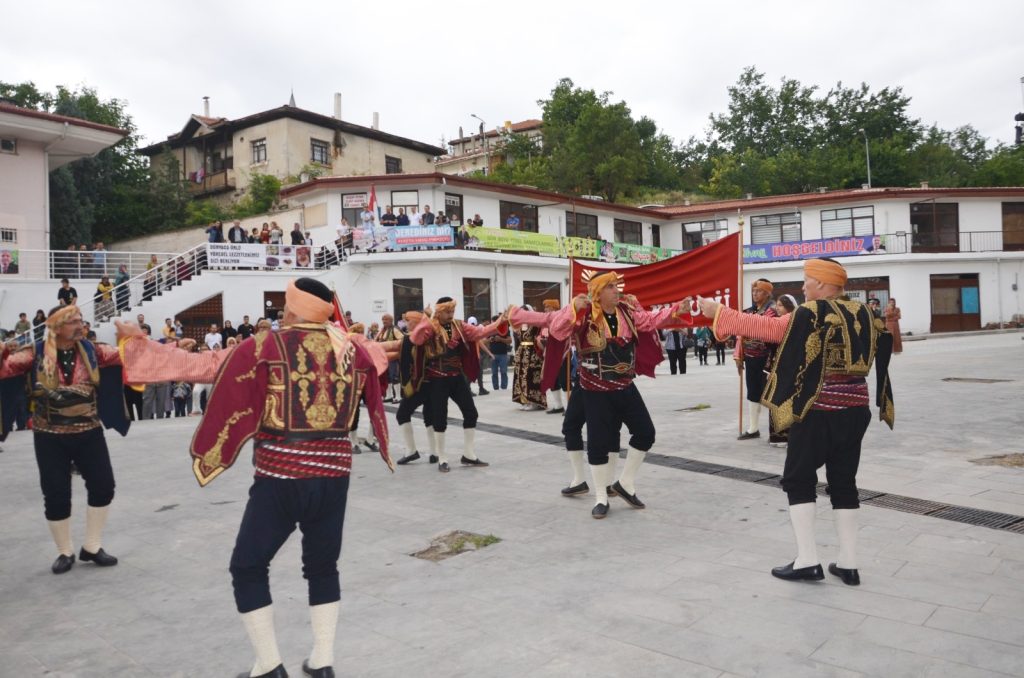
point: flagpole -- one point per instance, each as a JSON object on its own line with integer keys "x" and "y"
{"x": 740, "y": 305}
{"x": 568, "y": 362}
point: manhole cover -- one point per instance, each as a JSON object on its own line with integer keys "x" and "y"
{"x": 976, "y": 380}
{"x": 1015, "y": 460}
{"x": 453, "y": 543}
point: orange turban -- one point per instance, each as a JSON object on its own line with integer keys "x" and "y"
{"x": 552, "y": 305}
{"x": 412, "y": 318}
{"x": 307, "y": 306}
{"x": 599, "y": 282}
{"x": 828, "y": 272}
{"x": 62, "y": 315}
{"x": 764, "y": 286}
{"x": 357, "y": 328}
{"x": 445, "y": 306}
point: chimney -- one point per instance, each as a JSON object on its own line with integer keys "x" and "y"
{"x": 376, "y": 120}
{"x": 924, "y": 184}
{"x": 337, "y": 105}
{"x": 750, "y": 196}
{"x": 206, "y": 107}
{"x": 508, "y": 125}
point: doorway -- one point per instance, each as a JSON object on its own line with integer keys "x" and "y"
{"x": 956, "y": 305}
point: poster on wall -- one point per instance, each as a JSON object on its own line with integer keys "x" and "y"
{"x": 409, "y": 237}
{"x": 353, "y": 200}
{"x": 813, "y": 249}
{"x": 9, "y": 261}
{"x": 281, "y": 257}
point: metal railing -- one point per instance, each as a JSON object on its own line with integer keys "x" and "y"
{"x": 964, "y": 241}
{"x": 94, "y": 264}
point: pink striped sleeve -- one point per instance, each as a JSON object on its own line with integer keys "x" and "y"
{"x": 150, "y": 362}
{"x": 750, "y": 325}
{"x": 562, "y": 323}
{"x": 422, "y": 332}
{"x": 521, "y": 316}
{"x": 647, "y": 321}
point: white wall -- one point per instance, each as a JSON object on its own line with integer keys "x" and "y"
{"x": 24, "y": 183}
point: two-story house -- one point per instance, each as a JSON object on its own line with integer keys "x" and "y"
{"x": 482, "y": 152}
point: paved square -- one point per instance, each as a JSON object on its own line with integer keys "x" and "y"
{"x": 679, "y": 589}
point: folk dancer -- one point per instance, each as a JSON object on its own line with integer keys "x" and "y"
{"x": 817, "y": 389}
{"x": 561, "y": 386}
{"x": 528, "y": 365}
{"x": 616, "y": 342}
{"x": 388, "y": 333}
{"x": 751, "y": 356}
{"x": 415, "y": 391}
{"x": 296, "y": 391}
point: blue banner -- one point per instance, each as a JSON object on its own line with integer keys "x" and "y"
{"x": 410, "y": 237}
{"x": 812, "y": 249}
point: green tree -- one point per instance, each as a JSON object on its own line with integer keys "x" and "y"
{"x": 261, "y": 196}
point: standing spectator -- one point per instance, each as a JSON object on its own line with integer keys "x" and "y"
{"x": 477, "y": 221}
{"x": 308, "y": 240}
{"x": 85, "y": 261}
{"x": 227, "y": 332}
{"x": 402, "y": 219}
{"x": 179, "y": 330}
{"x": 245, "y": 329}
{"x": 367, "y": 218}
{"x": 388, "y": 219}
{"x": 67, "y": 294}
{"x": 168, "y": 329}
{"x": 297, "y": 237}
{"x": 441, "y": 220}
{"x": 23, "y": 329}
{"x": 212, "y": 337}
{"x": 481, "y": 347}
{"x": 719, "y": 350}
{"x": 237, "y": 234}
{"x": 702, "y": 341}
{"x": 121, "y": 294}
{"x": 99, "y": 259}
{"x": 876, "y": 307}
{"x": 499, "y": 346}
{"x": 512, "y": 223}
{"x": 38, "y": 326}
{"x": 675, "y": 347}
{"x": 254, "y": 236}
{"x": 892, "y": 323}
{"x": 215, "y": 232}
{"x": 104, "y": 299}
{"x": 276, "y": 234}
{"x": 151, "y": 282}
{"x": 415, "y": 218}
{"x": 181, "y": 392}
{"x": 265, "y": 234}
{"x": 427, "y": 217}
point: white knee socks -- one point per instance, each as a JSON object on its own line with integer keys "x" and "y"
{"x": 431, "y": 440}
{"x": 802, "y": 517}
{"x": 846, "y": 529}
{"x": 61, "y": 531}
{"x": 325, "y": 622}
{"x": 95, "y": 520}
{"x": 468, "y": 436}
{"x": 259, "y": 624}
{"x": 442, "y": 453}
{"x": 634, "y": 458}
{"x": 754, "y": 415}
{"x": 578, "y": 472}
{"x": 613, "y": 462}
{"x": 407, "y": 434}
{"x": 601, "y": 476}
{"x": 555, "y": 400}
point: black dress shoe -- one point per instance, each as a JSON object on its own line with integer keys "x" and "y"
{"x": 789, "y": 573}
{"x": 443, "y": 467}
{"x": 101, "y": 558}
{"x": 484, "y": 391}
{"x": 323, "y": 672}
{"x": 610, "y": 490}
{"x": 631, "y": 499}
{"x": 749, "y": 436}
{"x": 466, "y": 461}
{"x": 850, "y": 577}
{"x": 432, "y": 459}
{"x": 63, "y": 563}
{"x": 276, "y": 672}
{"x": 557, "y": 410}
{"x": 407, "y": 458}
{"x": 573, "y": 490}
{"x": 599, "y": 511}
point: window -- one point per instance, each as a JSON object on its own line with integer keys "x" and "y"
{"x": 656, "y": 235}
{"x": 579, "y": 225}
{"x": 767, "y": 228}
{"x": 8, "y": 235}
{"x": 517, "y": 216}
{"x": 699, "y": 233}
{"x": 8, "y": 146}
{"x": 628, "y": 232}
{"x": 534, "y": 292}
{"x": 259, "y": 151}
{"x": 320, "y": 151}
{"x": 392, "y": 165}
{"x": 1013, "y": 225}
{"x": 453, "y": 208}
{"x": 936, "y": 226}
{"x": 848, "y": 221}
{"x": 407, "y": 294}
{"x": 476, "y": 298}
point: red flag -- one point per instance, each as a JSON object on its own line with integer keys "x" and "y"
{"x": 339, "y": 315}
{"x": 709, "y": 271}
{"x": 373, "y": 206}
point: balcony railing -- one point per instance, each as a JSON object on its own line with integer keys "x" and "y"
{"x": 965, "y": 241}
{"x": 211, "y": 183}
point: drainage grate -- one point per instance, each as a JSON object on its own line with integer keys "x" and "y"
{"x": 976, "y": 380}
{"x": 773, "y": 481}
{"x": 976, "y": 517}
{"x": 1017, "y": 527}
{"x": 703, "y": 467}
{"x": 750, "y": 475}
{"x": 906, "y": 504}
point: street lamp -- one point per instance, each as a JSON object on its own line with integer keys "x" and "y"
{"x": 483, "y": 141}
{"x": 867, "y": 154}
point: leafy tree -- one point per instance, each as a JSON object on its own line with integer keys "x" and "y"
{"x": 262, "y": 194}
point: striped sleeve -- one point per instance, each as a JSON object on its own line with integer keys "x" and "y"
{"x": 750, "y": 325}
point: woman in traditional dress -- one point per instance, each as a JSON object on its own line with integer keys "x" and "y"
{"x": 529, "y": 367}
{"x": 892, "y": 323}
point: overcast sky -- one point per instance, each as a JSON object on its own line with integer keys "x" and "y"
{"x": 426, "y": 66}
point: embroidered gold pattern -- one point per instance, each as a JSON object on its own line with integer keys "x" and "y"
{"x": 212, "y": 457}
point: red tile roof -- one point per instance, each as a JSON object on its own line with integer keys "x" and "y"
{"x": 53, "y": 117}
{"x": 523, "y": 126}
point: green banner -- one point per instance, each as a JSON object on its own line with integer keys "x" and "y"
{"x": 578, "y": 248}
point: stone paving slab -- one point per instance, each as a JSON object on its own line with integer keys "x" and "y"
{"x": 679, "y": 589}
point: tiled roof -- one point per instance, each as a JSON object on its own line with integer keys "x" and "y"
{"x": 53, "y": 117}
{"x": 523, "y": 126}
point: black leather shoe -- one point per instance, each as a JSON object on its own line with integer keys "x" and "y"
{"x": 557, "y": 410}
{"x": 789, "y": 573}
{"x": 407, "y": 458}
{"x": 432, "y": 459}
{"x": 484, "y": 391}
{"x": 599, "y": 511}
{"x": 573, "y": 490}
{"x": 466, "y": 461}
{"x": 749, "y": 436}
{"x": 101, "y": 558}
{"x": 849, "y": 577}
{"x": 443, "y": 467}
{"x": 276, "y": 672}
{"x": 322, "y": 672}
{"x": 610, "y": 489}
{"x": 63, "y": 563}
{"x": 631, "y": 499}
